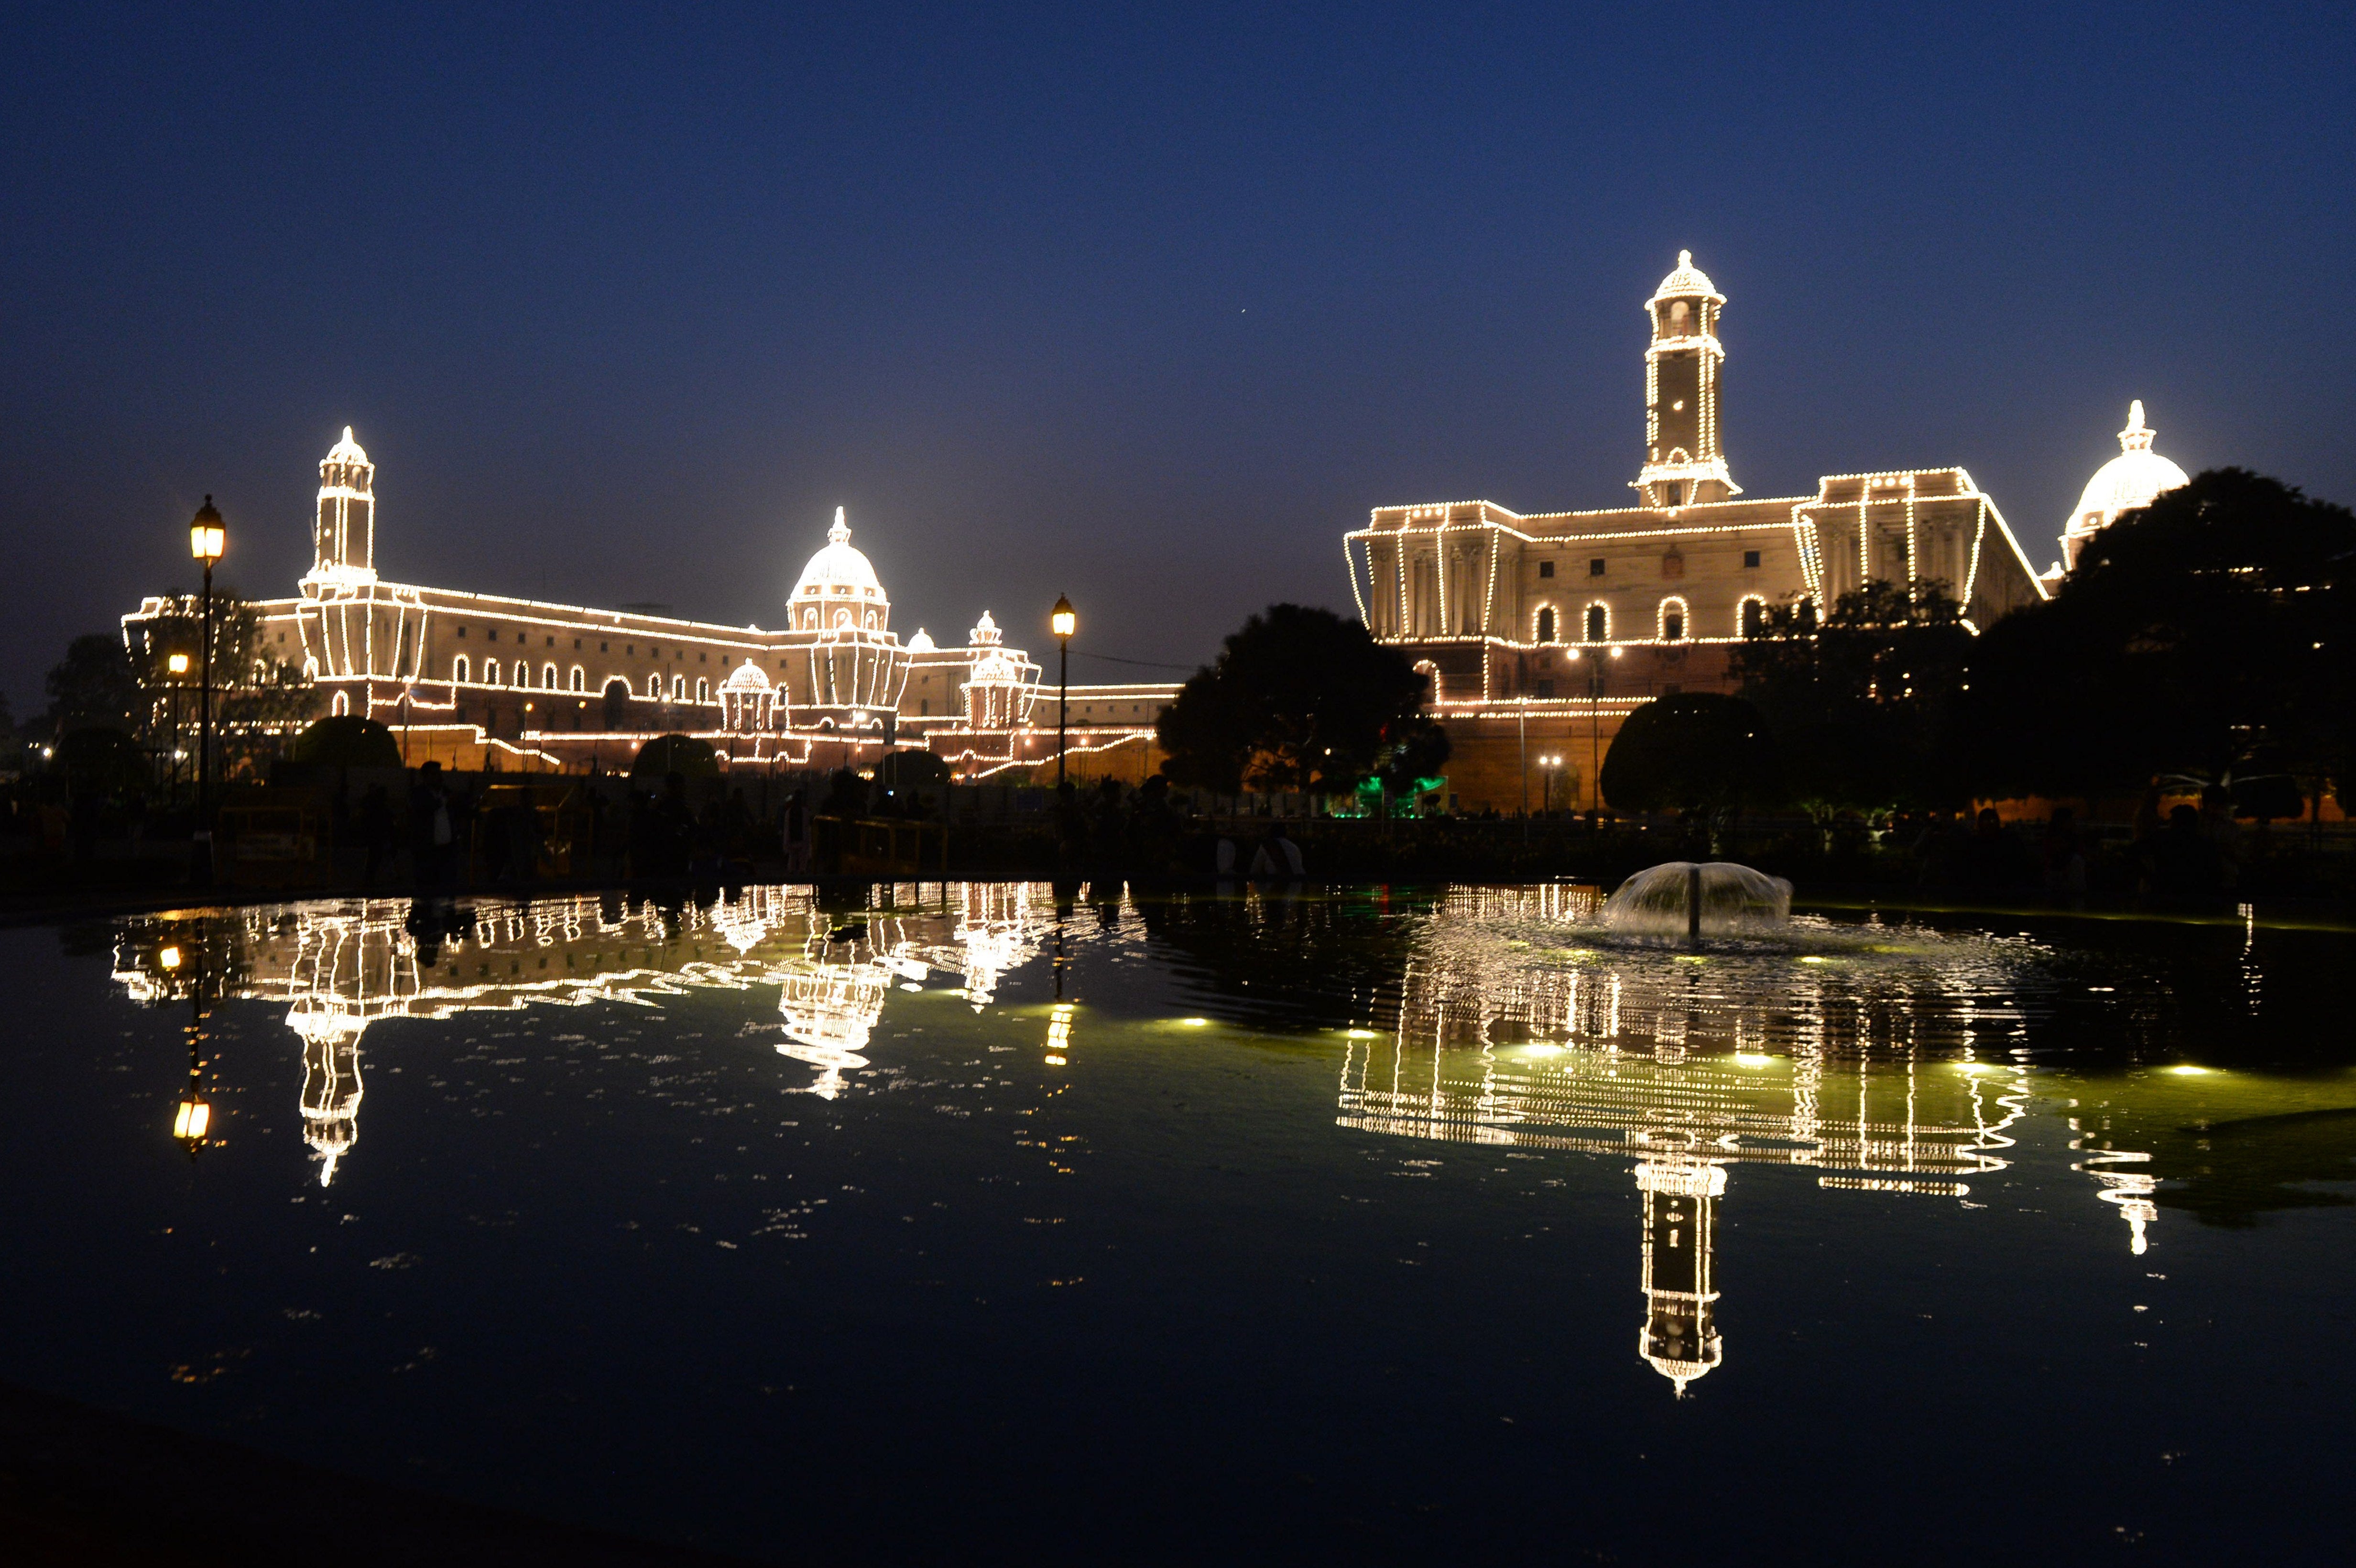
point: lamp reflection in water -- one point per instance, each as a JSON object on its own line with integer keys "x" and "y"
{"x": 340, "y": 966}
{"x": 192, "y": 1117}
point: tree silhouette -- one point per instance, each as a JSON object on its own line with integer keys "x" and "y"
{"x": 1299, "y": 699}
{"x": 1698, "y": 750}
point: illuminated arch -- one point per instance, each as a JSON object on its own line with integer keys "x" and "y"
{"x": 1599, "y": 622}
{"x": 702, "y": 689}
{"x": 1430, "y": 673}
{"x": 460, "y": 670}
{"x": 343, "y": 703}
{"x": 1675, "y": 620}
{"x": 548, "y": 678}
{"x": 653, "y": 687}
{"x": 490, "y": 672}
{"x": 1750, "y": 616}
{"x": 580, "y": 679}
{"x": 1543, "y": 629}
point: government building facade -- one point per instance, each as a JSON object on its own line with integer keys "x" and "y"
{"x": 479, "y": 680}
{"x": 1541, "y": 632}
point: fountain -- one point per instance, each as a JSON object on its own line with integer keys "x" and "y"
{"x": 1689, "y": 899}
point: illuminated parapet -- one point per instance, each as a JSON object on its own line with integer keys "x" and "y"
{"x": 1680, "y": 1339}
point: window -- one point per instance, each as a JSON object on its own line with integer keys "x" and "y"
{"x": 703, "y": 659}
{"x": 1546, "y": 624}
{"x": 580, "y": 679}
{"x": 654, "y": 686}
{"x": 678, "y": 687}
{"x": 1672, "y": 620}
{"x": 522, "y": 675}
{"x": 1546, "y": 690}
{"x": 462, "y": 630}
{"x": 1546, "y": 568}
{"x": 925, "y": 709}
{"x": 458, "y": 668}
{"x": 1673, "y": 495}
{"x": 493, "y": 633}
{"x": 343, "y": 704}
{"x": 1754, "y": 617}
{"x": 577, "y": 643}
{"x": 704, "y": 691}
{"x": 1599, "y": 623}
{"x": 548, "y": 677}
{"x": 604, "y": 648}
{"x": 1595, "y": 567}
{"x": 1750, "y": 558}
{"x": 551, "y": 643}
{"x": 490, "y": 672}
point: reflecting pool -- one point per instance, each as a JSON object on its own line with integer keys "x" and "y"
{"x": 978, "y": 1221}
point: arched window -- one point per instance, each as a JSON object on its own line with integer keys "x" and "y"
{"x": 679, "y": 688}
{"x": 843, "y": 617}
{"x": 1752, "y": 618}
{"x": 458, "y": 668}
{"x": 490, "y": 672}
{"x": 1546, "y": 624}
{"x": 1599, "y": 623}
{"x": 548, "y": 678}
{"x": 343, "y": 703}
{"x": 1430, "y": 673}
{"x": 522, "y": 675}
{"x": 1673, "y": 619}
{"x": 654, "y": 686}
{"x": 580, "y": 679}
{"x": 702, "y": 690}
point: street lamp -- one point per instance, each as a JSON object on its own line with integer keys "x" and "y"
{"x": 207, "y": 540}
{"x": 1595, "y": 669}
{"x": 177, "y": 666}
{"x": 1065, "y": 621}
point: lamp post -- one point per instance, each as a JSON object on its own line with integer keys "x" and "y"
{"x": 1595, "y": 669}
{"x": 1065, "y": 620}
{"x": 176, "y": 665}
{"x": 192, "y": 1116}
{"x": 207, "y": 542}
{"x": 1521, "y": 721}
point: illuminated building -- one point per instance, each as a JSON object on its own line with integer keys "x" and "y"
{"x": 474, "y": 680}
{"x": 1508, "y": 612}
{"x": 2130, "y": 481}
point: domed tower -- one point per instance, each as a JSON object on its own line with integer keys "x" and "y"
{"x": 343, "y": 535}
{"x": 2127, "y": 482}
{"x": 994, "y": 685}
{"x": 851, "y": 666}
{"x": 1684, "y": 464}
{"x": 1679, "y": 1339}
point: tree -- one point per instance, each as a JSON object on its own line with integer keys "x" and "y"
{"x": 1698, "y": 750}
{"x": 2203, "y": 639}
{"x": 1862, "y": 703}
{"x": 1299, "y": 699}
{"x": 94, "y": 688}
{"x": 258, "y": 698}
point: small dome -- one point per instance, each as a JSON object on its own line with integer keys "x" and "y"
{"x": 746, "y": 677}
{"x": 1688, "y": 282}
{"x": 839, "y": 569}
{"x": 922, "y": 643}
{"x": 347, "y": 450}
{"x": 985, "y": 633}
{"x": 2133, "y": 479}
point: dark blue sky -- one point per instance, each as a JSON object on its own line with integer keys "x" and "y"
{"x": 1143, "y": 306}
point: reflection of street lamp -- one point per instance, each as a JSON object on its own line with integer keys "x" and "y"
{"x": 192, "y": 1117}
{"x": 208, "y": 540}
{"x": 1065, "y": 621}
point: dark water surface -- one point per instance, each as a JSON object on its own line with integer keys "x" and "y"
{"x": 1355, "y": 1226}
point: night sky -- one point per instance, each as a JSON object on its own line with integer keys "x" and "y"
{"x": 1143, "y": 306}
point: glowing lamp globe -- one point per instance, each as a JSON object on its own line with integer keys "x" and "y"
{"x": 207, "y": 538}
{"x": 178, "y": 663}
{"x": 1065, "y": 619}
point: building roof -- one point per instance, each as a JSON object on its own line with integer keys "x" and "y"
{"x": 839, "y": 568}
{"x": 2132, "y": 479}
{"x": 1687, "y": 282}
{"x": 347, "y": 450}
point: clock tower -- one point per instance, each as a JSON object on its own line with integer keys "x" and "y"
{"x": 1684, "y": 464}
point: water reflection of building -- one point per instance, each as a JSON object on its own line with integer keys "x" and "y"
{"x": 340, "y": 966}
{"x": 1650, "y": 1055}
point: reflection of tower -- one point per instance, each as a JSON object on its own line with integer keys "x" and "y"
{"x": 2129, "y": 1191}
{"x": 1684, "y": 464}
{"x": 829, "y": 1008}
{"x": 331, "y": 1083}
{"x": 1680, "y": 1333}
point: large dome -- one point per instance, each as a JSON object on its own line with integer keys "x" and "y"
{"x": 839, "y": 569}
{"x": 2131, "y": 480}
